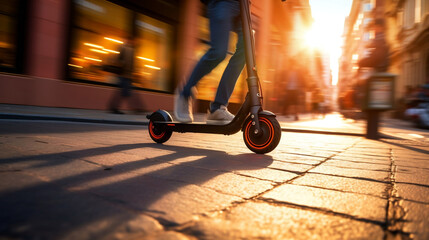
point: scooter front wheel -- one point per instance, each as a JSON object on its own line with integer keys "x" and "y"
{"x": 157, "y": 131}
{"x": 269, "y": 137}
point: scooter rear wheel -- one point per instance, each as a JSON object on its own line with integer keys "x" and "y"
{"x": 159, "y": 132}
{"x": 269, "y": 137}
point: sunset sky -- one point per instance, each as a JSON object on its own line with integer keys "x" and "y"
{"x": 328, "y": 27}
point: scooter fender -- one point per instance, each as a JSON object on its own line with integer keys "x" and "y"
{"x": 261, "y": 113}
{"x": 165, "y": 115}
{"x": 266, "y": 113}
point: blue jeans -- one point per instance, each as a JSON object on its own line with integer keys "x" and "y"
{"x": 224, "y": 16}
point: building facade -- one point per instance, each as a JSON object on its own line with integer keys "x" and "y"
{"x": 357, "y": 36}
{"x": 407, "y": 36}
{"x": 53, "y": 51}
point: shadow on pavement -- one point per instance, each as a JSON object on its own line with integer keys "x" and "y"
{"x": 42, "y": 208}
{"x": 407, "y": 146}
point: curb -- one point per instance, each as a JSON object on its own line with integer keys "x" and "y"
{"x": 69, "y": 119}
{"x": 284, "y": 129}
{"x": 145, "y": 123}
{"x": 382, "y": 135}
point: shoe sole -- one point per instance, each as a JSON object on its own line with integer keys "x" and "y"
{"x": 218, "y": 122}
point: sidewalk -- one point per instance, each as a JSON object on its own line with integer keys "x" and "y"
{"x": 333, "y": 124}
{"x": 112, "y": 182}
{"x": 8, "y": 111}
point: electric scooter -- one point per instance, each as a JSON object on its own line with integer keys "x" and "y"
{"x": 261, "y": 130}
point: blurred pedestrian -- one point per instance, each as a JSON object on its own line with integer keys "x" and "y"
{"x": 125, "y": 65}
{"x": 224, "y": 16}
{"x": 316, "y": 102}
{"x": 292, "y": 91}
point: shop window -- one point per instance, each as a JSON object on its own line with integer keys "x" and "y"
{"x": 8, "y": 34}
{"x": 101, "y": 27}
{"x": 153, "y": 53}
{"x": 96, "y": 38}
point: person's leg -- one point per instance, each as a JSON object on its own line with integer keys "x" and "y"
{"x": 115, "y": 100}
{"x": 134, "y": 101}
{"x": 230, "y": 76}
{"x": 234, "y": 67}
{"x": 295, "y": 103}
{"x": 221, "y": 23}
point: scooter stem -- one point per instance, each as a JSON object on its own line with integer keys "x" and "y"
{"x": 249, "y": 42}
{"x": 252, "y": 76}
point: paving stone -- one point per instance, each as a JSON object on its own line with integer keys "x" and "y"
{"x": 46, "y": 211}
{"x": 414, "y": 156}
{"x": 297, "y": 158}
{"x": 363, "y": 159}
{"x": 357, "y": 165}
{"x": 412, "y": 175}
{"x": 311, "y": 152}
{"x": 88, "y": 181}
{"x": 357, "y": 205}
{"x": 16, "y": 180}
{"x": 354, "y": 173}
{"x": 128, "y": 155}
{"x": 286, "y": 166}
{"x": 225, "y": 182}
{"x": 268, "y": 174}
{"x": 416, "y": 219}
{"x": 173, "y": 201}
{"x": 268, "y": 221}
{"x": 343, "y": 184}
{"x": 413, "y": 192}
{"x": 221, "y": 161}
{"x": 419, "y": 164}
{"x": 139, "y": 227}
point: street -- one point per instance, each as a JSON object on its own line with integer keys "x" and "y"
{"x": 64, "y": 180}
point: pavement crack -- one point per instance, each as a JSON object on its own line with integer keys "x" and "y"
{"x": 351, "y": 177}
{"x": 105, "y": 167}
{"x": 395, "y": 212}
{"x": 357, "y": 168}
{"x": 341, "y": 191}
{"x": 362, "y": 161}
{"x": 304, "y": 155}
{"x": 301, "y": 174}
{"x": 258, "y": 197}
{"x": 286, "y": 170}
{"x": 253, "y": 177}
{"x": 414, "y": 184}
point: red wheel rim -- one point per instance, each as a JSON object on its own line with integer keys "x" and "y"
{"x": 153, "y": 134}
{"x": 269, "y": 139}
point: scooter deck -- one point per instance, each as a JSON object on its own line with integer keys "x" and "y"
{"x": 193, "y": 123}
{"x": 202, "y": 127}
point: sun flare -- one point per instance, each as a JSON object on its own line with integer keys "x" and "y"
{"x": 318, "y": 37}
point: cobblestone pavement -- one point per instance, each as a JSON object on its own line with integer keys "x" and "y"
{"x": 92, "y": 181}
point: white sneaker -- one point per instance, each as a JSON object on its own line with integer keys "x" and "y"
{"x": 183, "y": 108}
{"x": 220, "y": 116}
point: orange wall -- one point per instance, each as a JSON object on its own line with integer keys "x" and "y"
{"x": 47, "y": 38}
{"x": 38, "y": 91}
{"x": 45, "y": 61}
